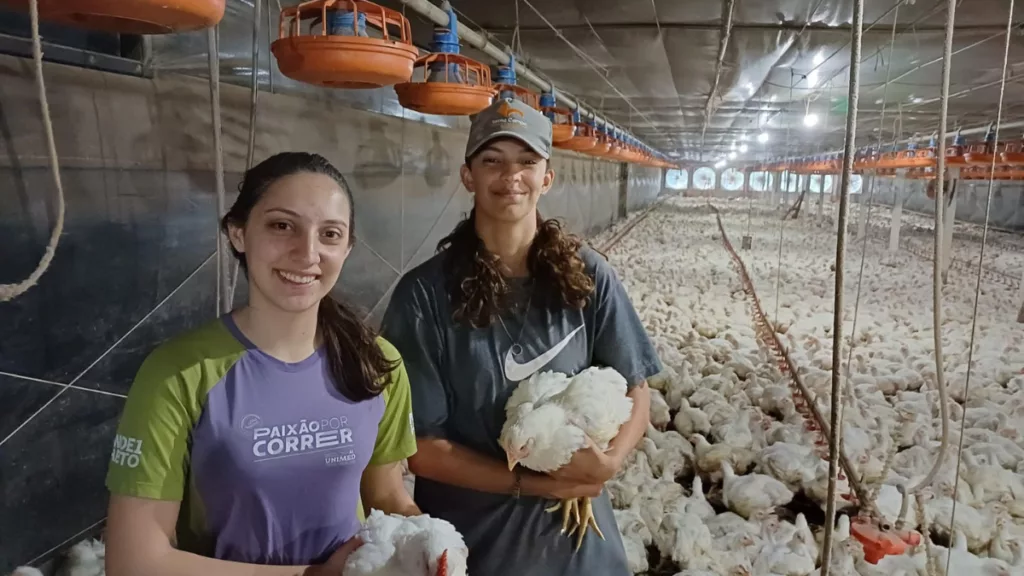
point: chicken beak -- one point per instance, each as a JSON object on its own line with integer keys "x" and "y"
{"x": 512, "y": 461}
{"x": 442, "y": 564}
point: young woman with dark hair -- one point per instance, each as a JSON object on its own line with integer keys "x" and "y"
{"x": 253, "y": 445}
{"x": 510, "y": 294}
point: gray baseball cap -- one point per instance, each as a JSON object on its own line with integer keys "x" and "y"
{"x": 513, "y": 119}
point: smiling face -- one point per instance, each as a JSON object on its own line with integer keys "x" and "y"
{"x": 507, "y": 180}
{"x": 295, "y": 242}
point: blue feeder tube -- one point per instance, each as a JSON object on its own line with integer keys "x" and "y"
{"x": 340, "y": 23}
{"x": 507, "y": 75}
{"x": 446, "y": 41}
{"x": 547, "y": 100}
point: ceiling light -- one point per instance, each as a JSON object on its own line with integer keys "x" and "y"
{"x": 819, "y": 58}
{"x": 720, "y": 164}
{"x": 811, "y": 120}
{"x": 743, "y": 148}
{"x": 732, "y": 146}
{"x": 812, "y": 79}
{"x": 743, "y": 137}
{"x": 762, "y": 137}
{"x": 732, "y": 155}
{"x": 917, "y": 100}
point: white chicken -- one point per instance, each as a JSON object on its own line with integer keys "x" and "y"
{"x": 395, "y": 545}
{"x": 543, "y": 429}
{"x": 752, "y": 492}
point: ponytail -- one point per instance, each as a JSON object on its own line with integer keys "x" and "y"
{"x": 356, "y": 362}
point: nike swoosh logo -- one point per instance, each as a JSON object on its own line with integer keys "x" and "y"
{"x": 517, "y": 372}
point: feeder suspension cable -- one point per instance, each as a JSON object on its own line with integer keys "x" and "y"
{"x": 940, "y": 176}
{"x": 981, "y": 267}
{"x": 835, "y": 416}
{"x": 781, "y": 228}
{"x": 9, "y": 292}
{"x": 864, "y": 241}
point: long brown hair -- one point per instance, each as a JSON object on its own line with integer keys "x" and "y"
{"x": 357, "y": 364}
{"x": 478, "y": 289}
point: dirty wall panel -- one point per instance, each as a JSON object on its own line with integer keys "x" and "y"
{"x": 1007, "y": 210}
{"x": 644, "y": 186}
{"x": 129, "y": 240}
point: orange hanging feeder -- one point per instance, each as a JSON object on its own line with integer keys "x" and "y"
{"x": 463, "y": 87}
{"x": 452, "y": 84}
{"x": 343, "y": 55}
{"x": 505, "y": 84}
{"x": 603, "y": 146}
{"x": 562, "y": 126}
{"x": 881, "y": 543}
{"x": 584, "y": 140}
{"x": 1013, "y": 153}
{"x": 130, "y": 16}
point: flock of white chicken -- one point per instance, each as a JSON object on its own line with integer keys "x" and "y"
{"x": 723, "y": 409}
{"x": 728, "y": 480}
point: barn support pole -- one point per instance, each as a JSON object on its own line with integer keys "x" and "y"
{"x": 835, "y": 191}
{"x": 862, "y": 216}
{"x": 821, "y": 196}
{"x": 897, "y": 215}
{"x": 949, "y": 217}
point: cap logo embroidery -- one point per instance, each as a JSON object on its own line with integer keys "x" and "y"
{"x": 508, "y": 115}
{"x": 505, "y": 110}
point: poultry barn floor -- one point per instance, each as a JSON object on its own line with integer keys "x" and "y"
{"x": 722, "y": 397}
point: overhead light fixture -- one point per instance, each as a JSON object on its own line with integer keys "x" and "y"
{"x": 917, "y": 100}
{"x": 811, "y": 120}
{"x": 732, "y": 155}
{"x": 762, "y": 137}
{"x": 743, "y": 148}
{"x": 720, "y": 164}
{"x": 812, "y": 79}
{"x": 743, "y": 137}
{"x": 733, "y": 145}
{"x": 819, "y": 58}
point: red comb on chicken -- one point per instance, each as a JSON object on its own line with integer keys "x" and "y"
{"x": 442, "y": 564}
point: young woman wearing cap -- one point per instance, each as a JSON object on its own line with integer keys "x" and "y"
{"x": 509, "y": 294}
{"x": 246, "y": 444}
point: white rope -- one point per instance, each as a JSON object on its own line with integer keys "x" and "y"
{"x": 940, "y": 177}
{"x": 9, "y": 292}
{"x": 981, "y": 267}
{"x": 836, "y": 408}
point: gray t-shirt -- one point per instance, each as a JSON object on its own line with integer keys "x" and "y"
{"x": 460, "y": 382}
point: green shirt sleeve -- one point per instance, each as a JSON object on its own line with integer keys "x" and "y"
{"x": 150, "y": 452}
{"x": 396, "y": 435}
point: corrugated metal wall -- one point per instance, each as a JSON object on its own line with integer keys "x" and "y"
{"x": 135, "y": 264}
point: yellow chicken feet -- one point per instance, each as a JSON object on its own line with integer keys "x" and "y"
{"x": 570, "y": 509}
{"x": 583, "y": 519}
{"x": 587, "y": 520}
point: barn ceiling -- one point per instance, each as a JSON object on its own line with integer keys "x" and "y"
{"x": 653, "y": 66}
